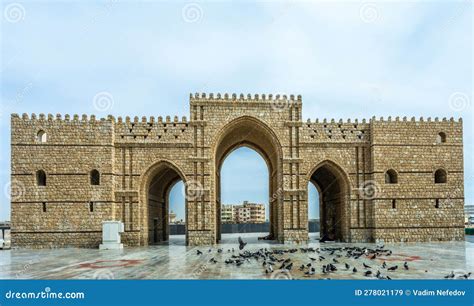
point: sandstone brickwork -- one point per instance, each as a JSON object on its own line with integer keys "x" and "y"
{"x": 140, "y": 159}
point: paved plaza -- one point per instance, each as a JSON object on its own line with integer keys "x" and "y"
{"x": 174, "y": 260}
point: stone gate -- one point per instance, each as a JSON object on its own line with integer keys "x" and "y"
{"x": 393, "y": 179}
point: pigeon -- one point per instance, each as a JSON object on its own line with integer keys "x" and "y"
{"x": 466, "y": 276}
{"x": 310, "y": 272}
{"x": 213, "y": 260}
{"x": 312, "y": 259}
{"x": 366, "y": 266}
{"x": 347, "y": 266}
{"x": 302, "y": 267}
{"x": 242, "y": 244}
{"x": 324, "y": 269}
{"x": 289, "y": 267}
{"x": 198, "y": 252}
{"x": 377, "y": 274}
{"x": 405, "y": 265}
{"x": 392, "y": 268}
{"x": 388, "y": 277}
{"x": 219, "y": 250}
{"x": 321, "y": 258}
{"x": 450, "y": 275}
{"x": 384, "y": 265}
{"x": 367, "y": 273}
{"x": 270, "y": 268}
{"x": 354, "y": 270}
{"x": 335, "y": 260}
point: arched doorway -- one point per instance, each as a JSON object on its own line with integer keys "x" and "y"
{"x": 158, "y": 182}
{"x": 252, "y": 133}
{"x": 244, "y": 195}
{"x": 313, "y": 211}
{"x": 333, "y": 191}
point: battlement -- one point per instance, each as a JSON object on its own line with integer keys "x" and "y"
{"x": 382, "y": 120}
{"x": 58, "y": 117}
{"x": 203, "y": 97}
{"x": 92, "y": 118}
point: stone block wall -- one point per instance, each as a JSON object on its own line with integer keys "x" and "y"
{"x": 132, "y": 155}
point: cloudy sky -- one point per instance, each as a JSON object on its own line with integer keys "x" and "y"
{"x": 347, "y": 59}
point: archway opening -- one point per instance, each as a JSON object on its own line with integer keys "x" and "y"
{"x": 313, "y": 211}
{"x": 244, "y": 195}
{"x": 252, "y": 133}
{"x": 177, "y": 213}
{"x": 333, "y": 193}
{"x": 165, "y": 184}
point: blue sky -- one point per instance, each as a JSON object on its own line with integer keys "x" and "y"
{"x": 347, "y": 59}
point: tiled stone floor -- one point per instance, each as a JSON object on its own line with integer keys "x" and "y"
{"x": 176, "y": 261}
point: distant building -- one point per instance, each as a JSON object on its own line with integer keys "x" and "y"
{"x": 469, "y": 214}
{"x": 244, "y": 213}
{"x": 227, "y": 214}
{"x": 172, "y": 217}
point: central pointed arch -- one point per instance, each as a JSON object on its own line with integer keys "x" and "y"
{"x": 253, "y": 133}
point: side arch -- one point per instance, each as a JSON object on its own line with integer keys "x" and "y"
{"x": 155, "y": 185}
{"x": 334, "y": 188}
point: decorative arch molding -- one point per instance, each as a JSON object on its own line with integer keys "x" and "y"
{"x": 332, "y": 164}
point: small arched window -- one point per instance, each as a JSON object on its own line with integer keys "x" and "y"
{"x": 40, "y": 178}
{"x": 441, "y": 138}
{"x": 440, "y": 176}
{"x": 41, "y": 136}
{"x": 95, "y": 177}
{"x": 391, "y": 177}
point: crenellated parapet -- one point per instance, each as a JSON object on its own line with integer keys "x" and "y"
{"x": 59, "y": 118}
{"x": 339, "y": 131}
{"x": 151, "y": 129}
{"x": 414, "y": 119}
{"x": 86, "y": 128}
{"x": 332, "y": 130}
{"x": 256, "y": 98}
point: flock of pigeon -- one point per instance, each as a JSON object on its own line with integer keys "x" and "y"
{"x": 327, "y": 261}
